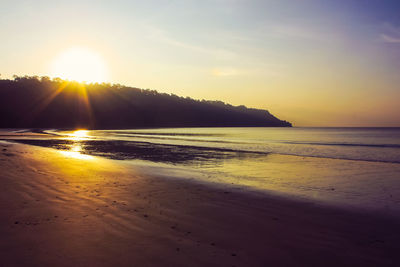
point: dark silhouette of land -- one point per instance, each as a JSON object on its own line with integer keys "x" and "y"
{"x": 54, "y": 103}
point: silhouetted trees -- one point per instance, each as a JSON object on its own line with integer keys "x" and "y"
{"x": 41, "y": 102}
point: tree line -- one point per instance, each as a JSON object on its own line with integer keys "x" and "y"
{"x": 41, "y": 102}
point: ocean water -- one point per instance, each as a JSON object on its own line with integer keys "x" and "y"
{"x": 367, "y": 144}
{"x": 352, "y": 167}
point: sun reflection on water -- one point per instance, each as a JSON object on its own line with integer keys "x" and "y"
{"x": 79, "y": 135}
{"x": 75, "y": 152}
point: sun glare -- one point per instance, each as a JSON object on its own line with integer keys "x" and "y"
{"x": 80, "y": 64}
{"x": 79, "y": 135}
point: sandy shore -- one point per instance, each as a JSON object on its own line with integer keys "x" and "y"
{"x": 57, "y": 210}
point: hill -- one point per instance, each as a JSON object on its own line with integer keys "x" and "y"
{"x": 33, "y": 102}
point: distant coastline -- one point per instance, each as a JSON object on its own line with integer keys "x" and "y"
{"x": 33, "y": 102}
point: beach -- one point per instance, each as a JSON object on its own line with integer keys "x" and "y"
{"x": 61, "y": 210}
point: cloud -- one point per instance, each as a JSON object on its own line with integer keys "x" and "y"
{"x": 391, "y": 34}
{"x": 225, "y": 72}
{"x": 262, "y": 70}
{"x": 163, "y": 36}
{"x": 390, "y": 39}
{"x": 301, "y": 32}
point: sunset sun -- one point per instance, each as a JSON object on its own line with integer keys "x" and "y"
{"x": 80, "y": 64}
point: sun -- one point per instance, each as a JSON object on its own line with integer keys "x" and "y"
{"x": 80, "y": 64}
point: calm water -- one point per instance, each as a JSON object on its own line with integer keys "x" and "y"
{"x": 369, "y": 144}
{"x": 355, "y": 167}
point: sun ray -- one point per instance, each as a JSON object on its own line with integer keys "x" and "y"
{"x": 44, "y": 102}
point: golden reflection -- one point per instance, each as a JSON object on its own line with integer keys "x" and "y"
{"x": 75, "y": 152}
{"x": 79, "y": 135}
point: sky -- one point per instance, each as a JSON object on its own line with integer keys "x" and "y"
{"x": 313, "y": 63}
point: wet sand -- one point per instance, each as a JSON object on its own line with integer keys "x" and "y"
{"x": 57, "y": 210}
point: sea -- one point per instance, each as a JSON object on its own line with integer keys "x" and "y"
{"x": 351, "y": 167}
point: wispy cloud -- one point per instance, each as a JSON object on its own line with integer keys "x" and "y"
{"x": 225, "y": 72}
{"x": 300, "y": 32}
{"x": 162, "y": 36}
{"x": 391, "y": 34}
{"x": 262, "y": 70}
{"x": 390, "y": 39}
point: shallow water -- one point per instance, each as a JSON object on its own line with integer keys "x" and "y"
{"x": 356, "y": 167}
{"x": 371, "y": 144}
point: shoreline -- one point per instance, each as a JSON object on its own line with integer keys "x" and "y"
{"x": 329, "y": 193}
{"x": 65, "y": 211}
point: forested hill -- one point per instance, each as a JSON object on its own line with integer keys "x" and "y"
{"x": 43, "y": 103}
